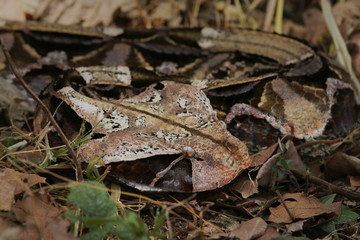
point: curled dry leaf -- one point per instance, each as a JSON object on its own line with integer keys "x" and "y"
{"x": 251, "y": 229}
{"x": 164, "y": 119}
{"x": 302, "y": 207}
{"x": 302, "y": 111}
{"x": 13, "y": 183}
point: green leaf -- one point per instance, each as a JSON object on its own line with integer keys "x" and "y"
{"x": 160, "y": 218}
{"x": 93, "y": 199}
{"x": 99, "y": 215}
{"x": 327, "y": 200}
{"x": 346, "y": 215}
{"x": 328, "y": 227}
{"x": 131, "y": 228}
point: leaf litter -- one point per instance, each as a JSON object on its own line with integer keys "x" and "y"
{"x": 48, "y": 224}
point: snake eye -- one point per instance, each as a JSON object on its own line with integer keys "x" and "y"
{"x": 188, "y": 152}
{"x": 231, "y": 145}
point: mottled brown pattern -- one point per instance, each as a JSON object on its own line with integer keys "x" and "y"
{"x": 164, "y": 119}
{"x": 294, "y": 109}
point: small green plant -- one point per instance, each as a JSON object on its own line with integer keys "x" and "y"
{"x": 276, "y": 172}
{"x": 99, "y": 215}
{"x": 347, "y": 215}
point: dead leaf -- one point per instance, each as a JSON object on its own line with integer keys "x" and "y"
{"x": 292, "y": 108}
{"x": 251, "y": 229}
{"x": 315, "y": 24}
{"x": 341, "y": 164}
{"x": 269, "y": 234}
{"x": 354, "y": 181}
{"x": 264, "y": 175}
{"x": 347, "y": 14}
{"x": 21, "y": 181}
{"x": 295, "y": 226}
{"x": 94, "y": 13}
{"x": 7, "y": 193}
{"x": 245, "y": 187}
{"x": 9, "y": 230}
{"x": 47, "y": 220}
{"x": 164, "y": 119}
{"x": 302, "y": 207}
{"x": 260, "y": 157}
{"x": 12, "y": 10}
{"x": 13, "y": 183}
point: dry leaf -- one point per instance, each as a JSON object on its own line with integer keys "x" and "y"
{"x": 245, "y": 186}
{"x": 164, "y": 119}
{"x": 12, "y": 10}
{"x": 341, "y": 164}
{"x": 87, "y": 13}
{"x": 13, "y": 183}
{"x": 7, "y": 193}
{"x": 269, "y": 234}
{"x": 251, "y": 229}
{"x": 354, "y": 181}
{"x": 263, "y": 177}
{"x": 294, "y": 109}
{"x": 315, "y": 24}
{"x": 21, "y": 181}
{"x": 295, "y": 226}
{"x": 302, "y": 207}
{"x": 9, "y": 230}
{"x": 261, "y": 157}
{"x": 43, "y": 216}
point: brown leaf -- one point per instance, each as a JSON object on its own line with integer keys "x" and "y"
{"x": 292, "y": 108}
{"x": 83, "y": 12}
{"x": 260, "y": 157}
{"x": 264, "y": 175}
{"x": 354, "y": 181}
{"x": 21, "y": 181}
{"x": 46, "y": 218}
{"x": 341, "y": 164}
{"x": 7, "y": 193}
{"x": 164, "y": 119}
{"x": 248, "y": 230}
{"x": 245, "y": 187}
{"x": 9, "y": 230}
{"x": 295, "y": 226}
{"x": 315, "y": 24}
{"x": 302, "y": 207}
{"x": 269, "y": 234}
{"x": 12, "y": 10}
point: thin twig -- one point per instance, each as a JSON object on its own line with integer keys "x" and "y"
{"x": 285, "y": 206}
{"x": 45, "y": 109}
{"x": 317, "y": 142}
{"x": 334, "y": 188}
{"x": 267, "y": 206}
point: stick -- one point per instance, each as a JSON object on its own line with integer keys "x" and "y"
{"x": 283, "y": 203}
{"x": 13, "y": 68}
{"x": 334, "y": 188}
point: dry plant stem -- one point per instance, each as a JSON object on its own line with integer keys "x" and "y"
{"x": 270, "y": 9}
{"x": 45, "y": 109}
{"x": 343, "y": 54}
{"x": 166, "y": 170}
{"x": 317, "y": 142}
{"x": 279, "y": 16}
{"x": 334, "y": 188}
{"x": 283, "y": 203}
{"x": 267, "y": 206}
